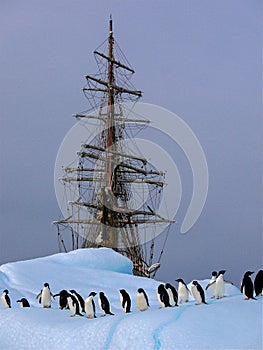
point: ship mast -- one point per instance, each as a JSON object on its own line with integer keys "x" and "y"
{"x": 110, "y": 139}
{"x": 101, "y": 212}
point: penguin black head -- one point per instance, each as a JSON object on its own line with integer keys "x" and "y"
{"x": 180, "y": 280}
{"x": 21, "y": 300}
{"x": 72, "y": 291}
{"x": 140, "y": 290}
{"x": 195, "y": 283}
{"x": 168, "y": 285}
{"x": 214, "y": 273}
{"x": 6, "y": 291}
{"x": 249, "y": 273}
{"x": 221, "y": 272}
{"x": 161, "y": 287}
{"x": 92, "y": 294}
{"x": 63, "y": 292}
{"x": 101, "y": 294}
{"x": 46, "y": 285}
{"x": 122, "y": 291}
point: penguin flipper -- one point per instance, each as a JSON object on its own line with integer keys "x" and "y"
{"x": 229, "y": 282}
{"x": 210, "y": 284}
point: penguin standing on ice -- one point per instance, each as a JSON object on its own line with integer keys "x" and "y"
{"x": 73, "y": 305}
{"x": 45, "y": 296}
{"x": 183, "y": 291}
{"x": 247, "y": 286}
{"x": 6, "y": 302}
{"x": 198, "y": 293}
{"x": 173, "y": 295}
{"x": 219, "y": 285}
{"x": 142, "y": 301}
{"x": 125, "y": 301}
{"x": 104, "y": 304}
{"x": 162, "y": 296}
{"x": 63, "y": 301}
{"x": 23, "y": 302}
{"x": 79, "y": 299}
{"x": 89, "y": 306}
{"x": 258, "y": 283}
{"x": 212, "y": 285}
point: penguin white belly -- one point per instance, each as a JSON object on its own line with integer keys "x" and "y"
{"x": 89, "y": 307}
{"x": 141, "y": 303}
{"x": 159, "y": 299}
{"x": 45, "y": 298}
{"x": 212, "y": 288}
{"x": 244, "y": 291}
{"x": 196, "y": 295}
{"x": 4, "y": 303}
{"x": 121, "y": 301}
{"x": 71, "y": 306}
{"x": 182, "y": 294}
{"x": 124, "y": 307}
{"x": 171, "y": 297}
{"x": 99, "y": 302}
{"x": 220, "y": 288}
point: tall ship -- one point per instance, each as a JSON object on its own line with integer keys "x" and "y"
{"x": 112, "y": 193}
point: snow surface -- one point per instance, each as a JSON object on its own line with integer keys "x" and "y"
{"x": 229, "y": 323}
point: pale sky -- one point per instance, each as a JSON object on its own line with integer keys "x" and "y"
{"x": 199, "y": 59}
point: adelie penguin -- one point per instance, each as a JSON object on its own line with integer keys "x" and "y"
{"x": 45, "y": 296}
{"x": 162, "y": 296}
{"x": 63, "y": 301}
{"x": 125, "y": 301}
{"x": 218, "y": 285}
{"x": 247, "y": 286}
{"x": 23, "y": 302}
{"x": 142, "y": 301}
{"x": 6, "y": 302}
{"x": 104, "y": 304}
{"x": 173, "y": 295}
{"x": 198, "y": 293}
{"x": 79, "y": 299}
{"x": 258, "y": 283}
{"x": 89, "y": 306}
{"x": 212, "y": 285}
{"x": 183, "y": 291}
{"x": 73, "y": 305}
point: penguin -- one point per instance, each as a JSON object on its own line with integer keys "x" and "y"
{"x": 45, "y": 296}
{"x": 258, "y": 283}
{"x": 73, "y": 305}
{"x": 183, "y": 291}
{"x": 89, "y": 306}
{"x": 220, "y": 285}
{"x": 63, "y": 301}
{"x": 198, "y": 293}
{"x": 23, "y": 302}
{"x": 6, "y": 302}
{"x": 142, "y": 300}
{"x": 212, "y": 284}
{"x": 247, "y": 286}
{"x": 173, "y": 295}
{"x": 104, "y": 304}
{"x": 125, "y": 301}
{"x": 162, "y": 296}
{"x": 79, "y": 299}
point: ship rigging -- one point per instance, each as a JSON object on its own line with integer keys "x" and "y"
{"x": 113, "y": 193}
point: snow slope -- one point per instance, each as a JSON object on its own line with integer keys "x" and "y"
{"x": 229, "y": 323}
